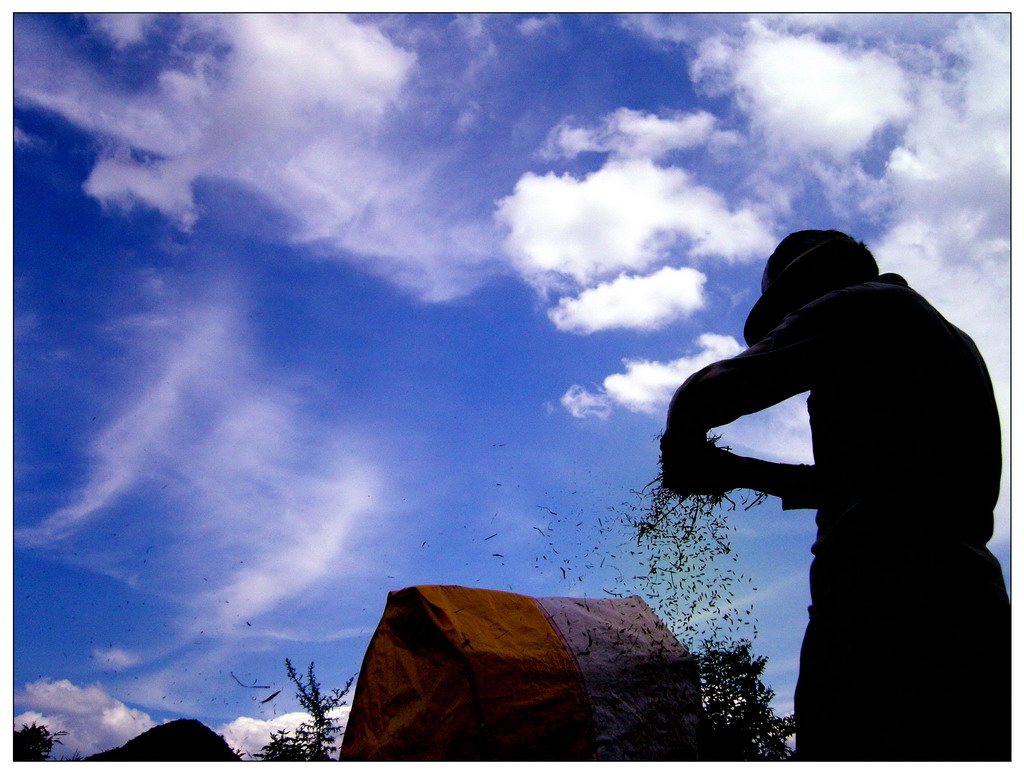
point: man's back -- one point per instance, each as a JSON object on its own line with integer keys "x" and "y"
{"x": 906, "y": 654}
{"x": 906, "y": 434}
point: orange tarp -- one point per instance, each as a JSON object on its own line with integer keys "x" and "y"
{"x": 467, "y": 674}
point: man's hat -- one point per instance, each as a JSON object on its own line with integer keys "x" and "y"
{"x": 806, "y": 265}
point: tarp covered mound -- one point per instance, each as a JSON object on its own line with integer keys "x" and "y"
{"x": 453, "y": 673}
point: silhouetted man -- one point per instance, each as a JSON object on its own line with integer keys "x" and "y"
{"x": 906, "y": 654}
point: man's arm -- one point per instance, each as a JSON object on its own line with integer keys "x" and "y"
{"x": 712, "y": 471}
{"x": 783, "y": 364}
{"x": 796, "y": 485}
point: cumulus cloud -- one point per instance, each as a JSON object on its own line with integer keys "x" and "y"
{"x": 629, "y": 301}
{"x": 592, "y": 235}
{"x": 780, "y": 433}
{"x": 249, "y": 735}
{"x": 904, "y": 124}
{"x": 93, "y": 719}
{"x": 871, "y": 126}
{"x": 960, "y": 188}
{"x": 647, "y": 386}
{"x": 630, "y": 133}
{"x": 950, "y": 231}
{"x": 581, "y": 403}
{"x": 627, "y": 215}
{"x": 806, "y": 93}
{"x": 97, "y": 721}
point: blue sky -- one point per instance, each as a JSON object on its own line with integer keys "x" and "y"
{"x": 311, "y": 308}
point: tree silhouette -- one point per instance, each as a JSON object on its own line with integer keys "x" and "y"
{"x": 34, "y": 743}
{"x": 738, "y": 723}
{"x": 312, "y": 741}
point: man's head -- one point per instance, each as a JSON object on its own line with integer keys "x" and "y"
{"x": 806, "y": 265}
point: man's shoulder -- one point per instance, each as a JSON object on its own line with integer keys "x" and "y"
{"x": 889, "y": 283}
{"x": 886, "y": 302}
{"x": 884, "y": 289}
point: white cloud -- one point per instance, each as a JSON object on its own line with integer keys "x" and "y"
{"x": 115, "y": 658}
{"x": 253, "y": 517}
{"x": 535, "y": 25}
{"x": 648, "y": 386}
{"x": 942, "y": 180}
{"x": 581, "y": 403}
{"x": 94, "y": 720}
{"x": 781, "y": 433}
{"x": 125, "y": 183}
{"x": 949, "y": 234}
{"x": 251, "y": 124}
{"x": 923, "y": 28}
{"x": 647, "y": 303}
{"x": 936, "y": 188}
{"x": 249, "y": 735}
{"x": 131, "y": 443}
{"x": 293, "y": 108}
{"x": 24, "y": 141}
{"x": 123, "y": 29}
{"x": 676, "y": 28}
{"x": 344, "y": 68}
{"x": 297, "y": 538}
{"x": 803, "y": 93}
{"x": 630, "y": 133}
{"x": 627, "y": 215}
{"x": 165, "y": 121}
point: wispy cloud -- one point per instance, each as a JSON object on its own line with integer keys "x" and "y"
{"x": 631, "y": 133}
{"x": 213, "y": 438}
{"x": 133, "y": 441}
{"x": 295, "y": 539}
{"x": 538, "y": 25}
{"x": 228, "y": 109}
{"x": 115, "y": 658}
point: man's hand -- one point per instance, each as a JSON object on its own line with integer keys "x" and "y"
{"x": 698, "y": 467}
